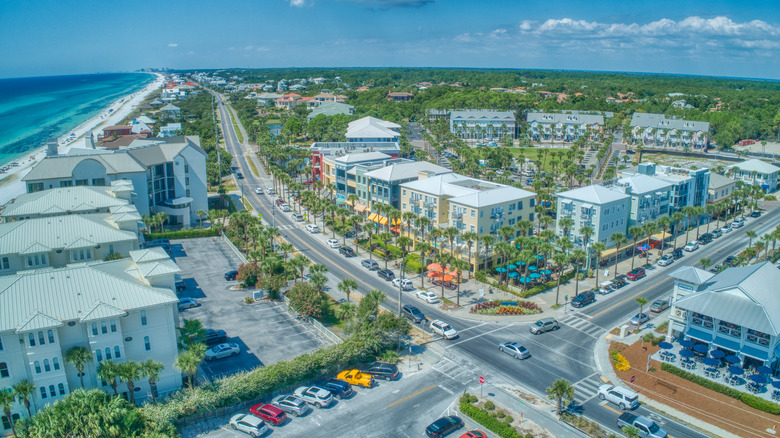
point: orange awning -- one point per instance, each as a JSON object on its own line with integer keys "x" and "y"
{"x": 447, "y": 278}
{"x": 396, "y": 229}
{"x": 432, "y": 274}
{"x": 434, "y": 267}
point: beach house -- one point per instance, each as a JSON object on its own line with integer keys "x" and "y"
{"x": 756, "y": 172}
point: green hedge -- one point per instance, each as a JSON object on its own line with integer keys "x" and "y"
{"x": 184, "y": 234}
{"x": 413, "y": 263}
{"x": 482, "y": 417}
{"x": 547, "y": 286}
{"x": 749, "y": 399}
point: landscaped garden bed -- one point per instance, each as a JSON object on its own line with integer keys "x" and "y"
{"x": 499, "y": 307}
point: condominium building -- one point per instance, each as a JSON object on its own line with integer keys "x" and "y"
{"x": 372, "y": 130}
{"x": 720, "y": 188}
{"x": 650, "y": 197}
{"x": 69, "y": 200}
{"x": 604, "y": 210}
{"x": 756, "y": 172}
{"x": 326, "y": 152}
{"x": 474, "y": 124}
{"x": 382, "y": 184}
{"x": 566, "y": 126}
{"x": 336, "y": 169}
{"x": 659, "y": 130}
{"x": 688, "y": 186}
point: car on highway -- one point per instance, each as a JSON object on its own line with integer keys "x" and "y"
{"x": 285, "y": 208}
{"x": 259, "y": 191}
{"x": 386, "y": 274}
{"x": 443, "y": 426}
{"x": 221, "y": 351}
{"x": 339, "y": 388}
{"x": 443, "y": 329}
{"x": 355, "y": 377}
{"x": 691, "y": 246}
{"x": 427, "y": 296}
{"x": 270, "y": 191}
{"x": 248, "y": 424}
{"x": 268, "y": 413}
{"x": 705, "y": 238}
{"x": 312, "y": 228}
{"x": 640, "y": 318}
{"x": 659, "y": 306}
{"x": 666, "y": 260}
{"x": 314, "y": 395}
{"x": 755, "y": 214}
{"x": 291, "y": 404}
{"x": 239, "y": 175}
{"x": 623, "y": 397}
{"x": 187, "y": 303}
{"x": 403, "y": 283}
{"x": 583, "y": 299}
{"x": 297, "y": 217}
{"x": 717, "y": 233}
{"x": 333, "y": 243}
{"x": 514, "y": 349}
{"x": 544, "y": 325}
{"x": 635, "y": 274}
{"x": 474, "y": 434}
{"x": 346, "y": 251}
{"x": 231, "y": 275}
{"x": 738, "y": 223}
{"x": 726, "y": 229}
{"x": 412, "y": 313}
{"x": 371, "y": 265}
{"x": 381, "y": 370}
{"x": 214, "y": 337}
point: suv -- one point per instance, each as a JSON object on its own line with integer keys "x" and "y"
{"x": 297, "y": 217}
{"x": 544, "y": 325}
{"x": 443, "y": 426}
{"x": 214, "y": 337}
{"x": 404, "y": 284}
{"x": 692, "y": 246}
{"x": 179, "y": 282}
{"x": 666, "y": 260}
{"x": 621, "y": 396}
{"x": 717, "y": 233}
{"x": 285, "y": 208}
{"x": 706, "y": 238}
{"x": 312, "y": 228}
{"x": 381, "y": 370}
{"x": 333, "y": 243}
{"x": 635, "y": 274}
{"x": 386, "y": 274}
{"x": 339, "y": 388}
{"x": 413, "y": 313}
{"x": 371, "y": 265}
{"x": 231, "y": 276}
{"x": 677, "y": 253}
{"x": 443, "y": 329}
{"x": 659, "y": 306}
{"x": 291, "y": 405}
{"x": 314, "y": 395}
{"x": 583, "y": 299}
{"x": 270, "y": 191}
{"x": 346, "y": 251}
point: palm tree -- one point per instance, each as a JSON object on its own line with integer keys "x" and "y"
{"x": 641, "y": 301}
{"x": 200, "y": 214}
{"x": 470, "y": 237}
{"x": 705, "y": 263}
{"x": 151, "y": 370}
{"x": 459, "y": 266}
{"x": 630, "y": 431}
{"x": 422, "y": 223}
{"x": 189, "y": 361}
{"x": 663, "y": 223}
{"x": 451, "y": 233}
{"x": 423, "y": 248}
{"x": 385, "y": 237}
{"x": 598, "y": 248}
{"x": 586, "y": 232}
{"x": 487, "y": 240}
{"x": 23, "y": 390}
{"x": 404, "y": 244}
{"x": 129, "y": 372}
{"x": 566, "y": 223}
{"x": 635, "y": 232}
{"x": 6, "y": 401}
{"x": 318, "y": 280}
{"x": 108, "y": 371}
{"x": 504, "y": 250}
{"x": 561, "y": 260}
{"x": 347, "y": 285}
{"x": 751, "y": 235}
{"x": 688, "y": 211}
{"x": 618, "y": 238}
{"x": 677, "y": 217}
{"x": 649, "y": 229}
{"x": 78, "y": 357}
{"x": 577, "y": 256}
{"x": 408, "y": 217}
{"x": 699, "y": 211}
{"x": 561, "y": 389}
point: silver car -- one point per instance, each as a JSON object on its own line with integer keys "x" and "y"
{"x": 187, "y": 303}
{"x": 291, "y": 404}
{"x": 249, "y": 424}
{"x": 514, "y": 349}
{"x": 314, "y": 395}
{"x": 544, "y": 325}
{"x": 222, "y": 350}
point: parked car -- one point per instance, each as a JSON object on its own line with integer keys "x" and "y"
{"x": 474, "y": 434}
{"x": 705, "y": 238}
{"x": 291, "y": 404}
{"x": 619, "y": 395}
{"x": 635, "y": 274}
{"x": 221, "y": 351}
{"x": 640, "y": 318}
{"x": 285, "y": 208}
{"x": 659, "y": 306}
{"x": 339, "y": 388}
{"x": 214, "y": 337}
{"x": 231, "y": 275}
{"x": 355, "y": 377}
{"x": 404, "y": 284}
{"x": 677, "y": 253}
{"x": 333, "y": 243}
{"x": 346, "y": 251}
{"x": 645, "y": 426}
{"x": 413, "y": 313}
{"x": 443, "y": 426}
{"x": 297, "y": 217}
{"x": 270, "y": 191}
{"x": 314, "y": 395}
{"x": 371, "y": 265}
{"x": 187, "y": 303}
{"x": 544, "y": 325}
{"x": 717, "y": 233}
{"x": 691, "y": 246}
{"x": 279, "y": 202}
{"x": 619, "y": 282}
{"x": 386, "y": 274}
{"x": 730, "y": 261}
{"x": 269, "y": 413}
{"x": 726, "y": 229}
{"x": 514, "y": 349}
{"x": 381, "y": 370}
{"x": 583, "y": 299}
{"x": 179, "y": 282}
{"x": 312, "y": 228}
{"x": 666, "y": 260}
{"x": 755, "y": 214}
{"x": 443, "y": 329}
{"x": 248, "y": 423}
{"x": 738, "y": 223}
{"x": 427, "y": 296}
{"x": 606, "y": 288}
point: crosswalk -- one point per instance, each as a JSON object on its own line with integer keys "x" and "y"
{"x": 461, "y": 373}
{"x": 586, "y": 389}
{"x": 577, "y": 322}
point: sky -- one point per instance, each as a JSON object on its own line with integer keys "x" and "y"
{"x": 712, "y": 37}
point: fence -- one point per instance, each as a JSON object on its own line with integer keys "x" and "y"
{"x": 234, "y": 249}
{"x": 316, "y": 324}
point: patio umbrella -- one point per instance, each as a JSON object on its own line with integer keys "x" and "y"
{"x": 700, "y": 348}
{"x": 533, "y": 268}
{"x": 711, "y": 362}
{"x": 763, "y": 369}
{"x": 717, "y": 354}
{"x": 446, "y": 277}
{"x": 501, "y": 269}
{"x": 758, "y": 378}
{"x": 432, "y": 274}
{"x": 686, "y": 344}
{"x": 455, "y": 272}
{"x": 736, "y": 370}
{"x": 665, "y": 345}
{"x": 776, "y": 383}
{"x": 539, "y": 257}
{"x": 524, "y": 280}
{"x": 547, "y": 272}
{"x": 686, "y": 353}
{"x": 511, "y": 266}
{"x": 732, "y": 359}
{"x": 513, "y": 274}
{"x": 535, "y": 275}
{"x": 435, "y": 267}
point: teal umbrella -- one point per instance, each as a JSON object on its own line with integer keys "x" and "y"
{"x": 533, "y": 268}
{"x": 511, "y": 266}
{"x": 547, "y": 272}
{"x": 500, "y": 269}
{"x": 524, "y": 280}
{"x": 513, "y": 274}
{"x": 535, "y": 275}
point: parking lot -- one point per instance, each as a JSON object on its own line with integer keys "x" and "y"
{"x": 265, "y": 331}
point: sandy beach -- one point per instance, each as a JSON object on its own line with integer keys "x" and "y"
{"x": 11, "y": 184}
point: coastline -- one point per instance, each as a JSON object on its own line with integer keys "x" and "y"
{"x": 11, "y": 184}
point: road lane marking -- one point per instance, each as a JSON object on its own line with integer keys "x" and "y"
{"x": 411, "y": 396}
{"x": 611, "y": 409}
{"x": 604, "y": 379}
{"x": 631, "y": 298}
{"x": 478, "y": 336}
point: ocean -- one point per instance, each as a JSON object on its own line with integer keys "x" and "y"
{"x": 34, "y": 109}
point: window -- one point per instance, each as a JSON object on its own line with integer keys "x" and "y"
{"x": 108, "y": 353}
{"x": 94, "y": 329}
{"x": 103, "y": 327}
{"x": 143, "y": 317}
{"x": 36, "y": 260}
{"x": 7, "y": 424}
{"x": 532, "y": 201}
{"x": 519, "y": 205}
{"x": 43, "y": 392}
{"x": 99, "y": 355}
{"x": 51, "y": 337}
{"x": 41, "y": 340}
{"x": 117, "y": 353}
{"x": 31, "y": 339}
{"x": 186, "y": 168}
{"x": 147, "y": 344}
{"x": 56, "y": 363}
{"x": 4, "y": 370}
{"x": 82, "y": 182}
{"x": 61, "y": 387}
{"x": 113, "y": 326}
{"x": 5, "y": 264}
{"x": 46, "y": 365}
{"x": 66, "y": 183}
{"x": 1, "y": 343}
{"x": 98, "y": 181}
{"x": 37, "y": 366}
{"x": 52, "y": 391}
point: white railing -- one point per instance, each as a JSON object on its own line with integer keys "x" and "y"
{"x": 316, "y": 324}
{"x": 234, "y": 249}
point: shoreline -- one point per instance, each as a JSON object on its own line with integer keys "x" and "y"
{"x": 11, "y": 184}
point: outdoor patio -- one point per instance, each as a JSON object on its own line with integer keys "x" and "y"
{"x": 719, "y": 366}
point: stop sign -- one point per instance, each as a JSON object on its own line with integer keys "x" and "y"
{"x": 481, "y": 379}
{"x": 633, "y": 378}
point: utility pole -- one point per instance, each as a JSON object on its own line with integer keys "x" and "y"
{"x": 400, "y": 286}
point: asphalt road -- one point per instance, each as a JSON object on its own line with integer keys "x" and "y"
{"x": 567, "y": 353}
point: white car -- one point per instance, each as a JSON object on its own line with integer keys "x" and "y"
{"x": 259, "y": 191}
{"x": 248, "y": 423}
{"x": 514, "y": 349}
{"x": 285, "y": 208}
{"x": 738, "y": 223}
{"x": 427, "y": 296}
{"x": 312, "y": 228}
{"x": 443, "y": 329}
{"x": 222, "y": 350}
{"x": 270, "y": 191}
{"x": 404, "y": 284}
{"x": 691, "y": 246}
{"x": 333, "y": 243}
{"x": 726, "y": 229}
{"x": 314, "y": 395}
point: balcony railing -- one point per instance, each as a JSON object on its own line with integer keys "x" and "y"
{"x": 679, "y": 314}
{"x": 735, "y": 331}
{"x": 760, "y": 340}
{"x": 702, "y": 322}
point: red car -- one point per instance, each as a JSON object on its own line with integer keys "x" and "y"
{"x": 635, "y": 274}
{"x": 269, "y": 413}
{"x": 474, "y": 434}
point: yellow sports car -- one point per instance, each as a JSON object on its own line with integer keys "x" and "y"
{"x": 355, "y": 377}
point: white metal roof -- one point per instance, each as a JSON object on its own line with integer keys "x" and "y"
{"x": 755, "y": 165}
{"x": 594, "y": 194}
{"x": 371, "y": 127}
{"x": 63, "y": 200}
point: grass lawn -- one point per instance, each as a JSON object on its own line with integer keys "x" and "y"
{"x": 253, "y": 167}
{"x": 533, "y": 155}
{"x": 235, "y": 127}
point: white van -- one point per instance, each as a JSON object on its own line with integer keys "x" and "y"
{"x": 619, "y": 395}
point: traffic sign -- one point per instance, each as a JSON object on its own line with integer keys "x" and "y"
{"x": 633, "y": 378}
{"x": 482, "y": 379}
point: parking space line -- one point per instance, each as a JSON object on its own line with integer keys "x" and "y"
{"x": 480, "y": 335}
{"x": 411, "y": 396}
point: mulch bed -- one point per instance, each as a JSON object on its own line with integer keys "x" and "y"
{"x": 699, "y": 402}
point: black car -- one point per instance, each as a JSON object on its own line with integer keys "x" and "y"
{"x": 339, "y": 388}
{"x": 705, "y": 238}
{"x": 677, "y": 253}
{"x": 413, "y": 313}
{"x": 350, "y": 234}
{"x": 583, "y": 299}
{"x": 240, "y": 175}
{"x": 443, "y": 426}
{"x": 381, "y": 370}
{"x": 230, "y": 276}
{"x": 214, "y": 337}
{"x": 346, "y": 251}
{"x": 755, "y": 214}
{"x": 386, "y": 274}
{"x": 730, "y": 261}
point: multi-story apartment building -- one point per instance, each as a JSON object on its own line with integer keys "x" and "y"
{"x": 168, "y": 174}
{"x": 688, "y": 186}
{"x": 605, "y": 210}
{"x": 338, "y": 170}
{"x": 70, "y": 200}
{"x": 382, "y": 184}
{"x": 326, "y": 152}
{"x": 567, "y": 126}
{"x": 649, "y": 197}
{"x": 720, "y": 188}
{"x": 483, "y": 124}
{"x": 756, "y": 172}
{"x": 372, "y": 130}
{"x": 659, "y": 130}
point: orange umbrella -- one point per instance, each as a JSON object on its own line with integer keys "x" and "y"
{"x": 455, "y": 272}
{"x": 432, "y": 274}
{"x": 447, "y": 278}
{"x": 435, "y": 267}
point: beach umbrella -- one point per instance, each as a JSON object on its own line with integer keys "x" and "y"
{"x": 736, "y": 370}
{"x": 700, "y": 348}
{"x": 533, "y": 268}
{"x": 435, "y": 267}
{"x": 511, "y": 266}
{"x": 513, "y": 274}
{"x": 686, "y": 344}
{"x": 776, "y": 383}
{"x": 717, "y": 354}
{"x": 501, "y": 269}
{"x": 763, "y": 369}
{"x": 547, "y": 272}
{"x": 732, "y": 359}
{"x": 535, "y": 275}
{"x": 711, "y": 362}
{"x": 686, "y": 353}
{"x": 446, "y": 277}
{"x": 432, "y": 274}
{"x": 758, "y": 378}
{"x": 666, "y": 345}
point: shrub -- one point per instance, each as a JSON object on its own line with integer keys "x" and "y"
{"x": 248, "y": 300}
{"x": 413, "y": 264}
{"x": 481, "y": 277}
{"x": 500, "y": 414}
{"x": 248, "y": 275}
{"x": 307, "y": 300}
{"x": 183, "y": 234}
{"x": 498, "y": 307}
{"x": 481, "y": 416}
{"x": 489, "y": 405}
{"x": 509, "y": 419}
{"x": 770, "y": 198}
{"x": 390, "y": 356}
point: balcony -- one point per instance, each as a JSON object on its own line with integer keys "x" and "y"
{"x": 457, "y": 216}
{"x": 678, "y": 314}
{"x": 429, "y": 204}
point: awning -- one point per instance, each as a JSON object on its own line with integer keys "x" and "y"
{"x": 360, "y": 207}
{"x": 755, "y": 353}
{"x": 587, "y": 206}
{"x": 726, "y": 343}
{"x": 372, "y": 217}
{"x": 382, "y": 220}
{"x": 396, "y": 229}
{"x": 396, "y": 221}
{"x": 698, "y": 334}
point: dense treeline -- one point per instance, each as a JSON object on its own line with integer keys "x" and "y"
{"x": 198, "y": 119}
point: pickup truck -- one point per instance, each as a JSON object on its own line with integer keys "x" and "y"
{"x": 646, "y": 427}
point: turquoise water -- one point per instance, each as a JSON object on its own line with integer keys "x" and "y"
{"x": 34, "y": 109}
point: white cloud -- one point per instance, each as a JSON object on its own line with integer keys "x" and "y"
{"x": 173, "y": 44}
{"x": 297, "y": 3}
